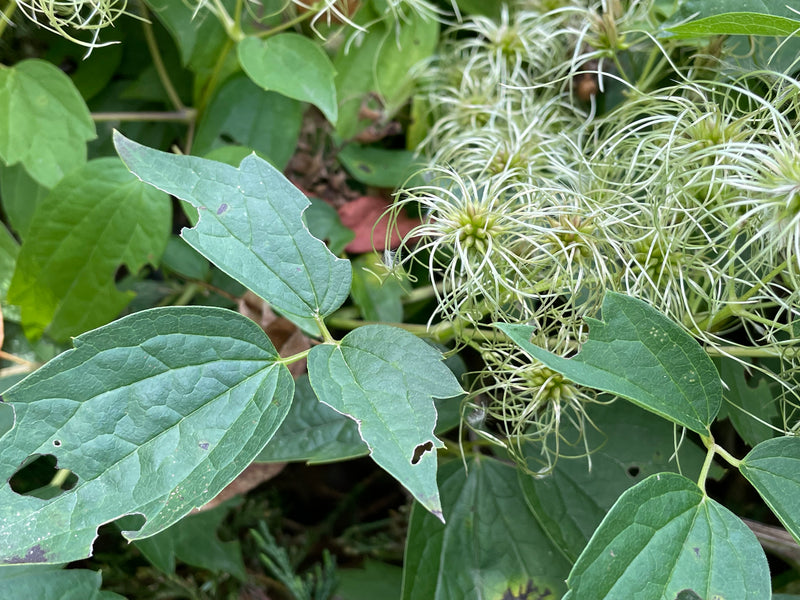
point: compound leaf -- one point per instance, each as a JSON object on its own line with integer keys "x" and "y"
{"x": 639, "y": 354}
{"x": 97, "y": 218}
{"x": 664, "y": 536}
{"x": 385, "y": 379}
{"x": 154, "y": 414}
{"x": 773, "y": 467}
{"x": 491, "y": 546}
{"x": 292, "y": 65}
{"x": 250, "y": 227}
{"x": 44, "y": 122}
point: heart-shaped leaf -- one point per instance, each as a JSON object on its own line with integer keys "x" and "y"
{"x": 292, "y": 65}
{"x": 385, "y": 379}
{"x": 663, "y": 537}
{"x": 250, "y": 227}
{"x": 773, "y": 467}
{"x": 44, "y": 122}
{"x": 639, "y": 354}
{"x": 154, "y": 413}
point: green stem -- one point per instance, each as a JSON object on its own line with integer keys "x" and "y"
{"x": 323, "y": 329}
{"x": 189, "y": 292}
{"x": 8, "y": 12}
{"x": 727, "y": 456}
{"x": 730, "y": 309}
{"x": 60, "y": 478}
{"x": 185, "y": 116}
{"x": 158, "y": 63}
{"x": 753, "y": 352}
{"x": 213, "y": 80}
{"x": 288, "y": 360}
{"x": 708, "y": 441}
{"x": 291, "y": 22}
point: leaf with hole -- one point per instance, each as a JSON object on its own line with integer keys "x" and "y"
{"x": 154, "y": 414}
{"x": 385, "y": 379}
{"x": 639, "y": 354}
{"x": 250, "y": 227}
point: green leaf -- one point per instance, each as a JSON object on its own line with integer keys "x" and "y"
{"x": 20, "y": 194}
{"x": 250, "y": 227}
{"x": 639, "y": 354}
{"x": 744, "y": 399}
{"x": 194, "y": 541}
{"x": 242, "y": 113}
{"x": 664, "y": 536}
{"x": 373, "y": 580}
{"x": 628, "y": 445}
{"x": 44, "y": 122}
{"x": 155, "y": 414}
{"x": 53, "y": 584}
{"x": 385, "y": 379}
{"x": 324, "y": 223}
{"x": 96, "y": 219}
{"x": 201, "y": 39}
{"x": 379, "y": 167}
{"x": 355, "y": 72}
{"x": 773, "y": 467}
{"x": 313, "y": 432}
{"x": 732, "y": 17}
{"x": 491, "y": 545}
{"x": 411, "y": 40}
{"x": 376, "y": 300}
{"x": 9, "y": 250}
{"x": 181, "y": 258}
{"x": 292, "y": 65}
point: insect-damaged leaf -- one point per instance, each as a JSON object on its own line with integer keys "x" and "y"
{"x": 385, "y": 379}
{"x": 154, "y": 414}
{"x": 250, "y": 227}
{"x": 639, "y": 354}
{"x": 664, "y": 536}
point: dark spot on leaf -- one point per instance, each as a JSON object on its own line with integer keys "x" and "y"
{"x": 687, "y": 594}
{"x": 35, "y": 555}
{"x": 228, "y": 138}
{"x": 203, "y": 445}
{"x": 222, "y": 208}
{"x": 633, "y": 471}
{"x": 57, "y": 443}
{"x": 420, "y": 450}
{"x": 364, "y": 167}
{"x": 528, "y": 591}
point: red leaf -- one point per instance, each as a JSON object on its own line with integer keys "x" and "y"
{"x": 362, "y": 214}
